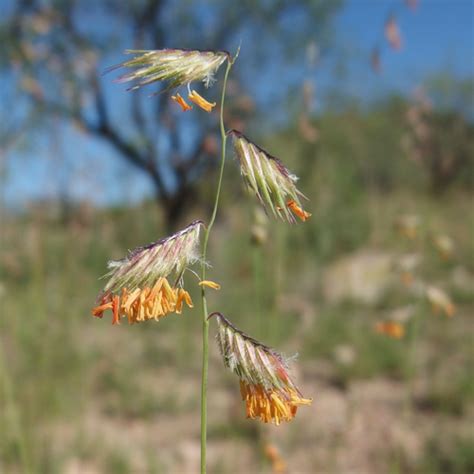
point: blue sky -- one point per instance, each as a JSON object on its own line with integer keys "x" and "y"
{"x": 438, "y": 36}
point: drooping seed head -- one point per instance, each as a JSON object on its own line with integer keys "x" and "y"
{"x": 266, "y": 384}
{"x": 143, "y": 266}
{"x": 444, "y": 245}
{"x": 175, "y": 67}
{"x": 269, "y": 179}
{"x": 440, "y": 301}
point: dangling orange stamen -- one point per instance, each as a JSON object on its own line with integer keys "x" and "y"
{"x": 179, "y": 100}
{"x": 183, "y": 295}
{"x": 270, "y": 405}
{"x": 143, "y": 304}
{"x": 115, "y": 309}
{"x": 302, "y": 214}
{"x": 210, "y": 284}
{"x": 105, "y": 303}
{"x": 200, "y": 101}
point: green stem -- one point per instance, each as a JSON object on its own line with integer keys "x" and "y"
{"x": 257, "y": 276}
{"x": 205, "y": 322}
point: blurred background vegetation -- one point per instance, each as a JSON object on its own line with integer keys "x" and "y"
{"x": 88, "y": 171}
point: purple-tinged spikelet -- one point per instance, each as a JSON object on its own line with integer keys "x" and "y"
{"x": 138, "y": 287}
{"x": 265, "y": 384}
{"x": 175, "y": 67}
{"x": 144, "y": 265}
{"x": 269, "y": 179}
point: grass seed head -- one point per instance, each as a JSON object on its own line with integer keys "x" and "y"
{"x": 138, "y": 286}
{"x": 269, "y": 179}
{"x": 174, "y": 67}
{"x": 143, "y": 266}
{"x": 265, "y": 383}
{"x": 440, "y": 301}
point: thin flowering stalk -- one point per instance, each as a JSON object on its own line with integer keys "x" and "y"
{"x": 205, "y": 322}
{"x": 148, "y": 290}
{"x": 138, "y": 286}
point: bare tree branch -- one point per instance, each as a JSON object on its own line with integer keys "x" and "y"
{"x": 61, "y": 66}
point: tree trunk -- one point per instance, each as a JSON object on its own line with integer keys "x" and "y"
{"x": 174, "y": 207}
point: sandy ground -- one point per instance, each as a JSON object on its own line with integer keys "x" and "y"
{"x": 364, "y": 428}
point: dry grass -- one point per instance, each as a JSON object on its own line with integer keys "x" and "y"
{"x": 88, "y": 397}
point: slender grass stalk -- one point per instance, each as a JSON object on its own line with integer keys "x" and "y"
{"x": 257, "y": 258}
{"x": 205, "y": 322}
